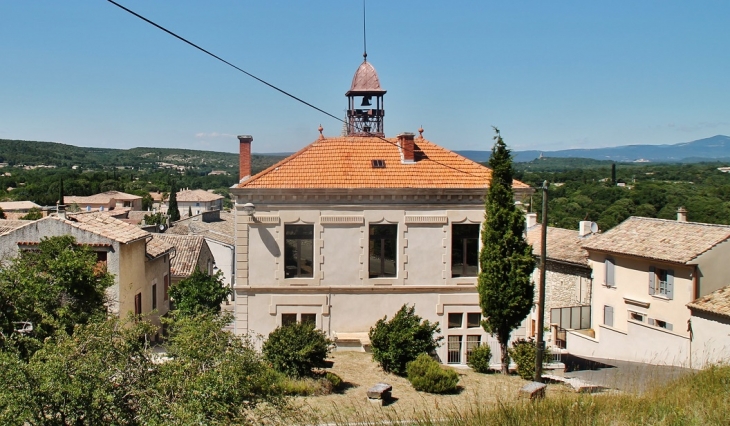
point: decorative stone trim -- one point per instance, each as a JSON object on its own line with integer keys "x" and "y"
{"x": 342, "y": 220}
{"x": 456, "y": 299}
{"x": 295, "y": 300}
{"x": 260, "y": 219}
{"x": 635, "y": 302}
{"x": 412, "y": 220}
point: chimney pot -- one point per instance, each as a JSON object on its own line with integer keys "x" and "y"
{"x": 681, "y": 214}
{"x": 407, "y": 147}
{"x": 61, "y": 210}
{"x": 244, "y": 158}
{"x": 530, "y": 220}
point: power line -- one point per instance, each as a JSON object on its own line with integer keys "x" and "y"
{"x": 260, "y": 80}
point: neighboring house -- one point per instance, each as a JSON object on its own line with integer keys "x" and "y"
{"x": 217, "y": 227}
{"x": 351, "y": 228}
{"x": 17, "y": 209}
{"x": 568, "y": 279}
{"x": 108, "y": 200}
{"x": 197, "y": 201}
{"x": 710, "y": 328}
{"x": 645, "y": 272}
{"x": 191, "y": 252}
{"x": 139, "y": 262}
{"x": 7, "y": 225}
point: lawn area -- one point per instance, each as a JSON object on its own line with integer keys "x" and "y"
{"x": 359, "y": 372}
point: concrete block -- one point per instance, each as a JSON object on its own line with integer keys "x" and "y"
{"x": 533, "y": 390}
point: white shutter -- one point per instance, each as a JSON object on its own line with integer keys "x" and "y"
{"x": 608, "y": 316}
{"x": 670, "y": 284}
{"x": 652, "y": 280}
{"x": 610, "y": 273}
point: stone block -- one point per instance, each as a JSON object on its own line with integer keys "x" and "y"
{"x": 533, "y": 390}
{"x": 380, "y": 393}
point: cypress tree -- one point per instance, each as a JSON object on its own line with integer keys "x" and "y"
{"x": 190, "y": 211}
{"x": 172, "y": 210}
{"x": 60, "y": 195}
{"x": 505, "y": 288}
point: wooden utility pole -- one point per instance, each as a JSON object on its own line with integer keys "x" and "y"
{"x": 540, "y": 343}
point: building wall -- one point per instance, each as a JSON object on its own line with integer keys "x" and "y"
{"x": 133, "y": 277}
{"x": 713, "y": 269}
{"x": 224, "y": 256}
{"x": 155, "y": 271}
{"x": 710, "y": 339}
{"x": 198, "y": 207}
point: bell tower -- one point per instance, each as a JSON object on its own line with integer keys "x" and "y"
{"x": 365, "y": 109}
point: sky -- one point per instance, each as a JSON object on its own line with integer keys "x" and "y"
{"x": 550, "y": 75}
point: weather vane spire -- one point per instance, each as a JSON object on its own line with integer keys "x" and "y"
{"x": 364, "y": 35}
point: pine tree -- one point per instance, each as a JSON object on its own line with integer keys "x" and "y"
{"x": 190, "y": 211}
{"x": 505, "y": 288}
{"x": 172, "y": 210}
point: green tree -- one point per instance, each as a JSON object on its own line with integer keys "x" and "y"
{"x": 505, "y": 289}
{"x": 33, "y": 214}
{"x": 147, "y": 201}
{"x": 399, "y": 341}
{"x": 296, "y": 349}
{"x": 53, "y": 288}
{"x": 190, "y": 211}
{"x": 199, "y": 293}
{"x": 172, "y": 209}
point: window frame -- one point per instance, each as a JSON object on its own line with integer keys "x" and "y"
{"x": 382, "y": 258}
{"x": 299, "y": 259}
{"x": 465, "y": 252}
{"x": 154, "y": 296}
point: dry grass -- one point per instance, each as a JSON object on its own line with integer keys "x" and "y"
{"x": 359, "y": 373}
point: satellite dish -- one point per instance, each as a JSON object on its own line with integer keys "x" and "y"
{"x": 594, "y": 228}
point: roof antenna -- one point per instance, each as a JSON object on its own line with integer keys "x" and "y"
{"x": 364, "y": 38}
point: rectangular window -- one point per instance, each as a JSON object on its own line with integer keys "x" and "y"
{"x": 154, "y": 296}
{"x": 101, "y": 256}
{"x": 661, "y": 324}
{"x": 138, "y": 304}
{"x": 455, "y": 320}
{"x": 312, "y": 318}
{"x": 288, "y": 319}
{"x": 473, "y": 320}
{"x": 383, "y": 250}
{"x": 298, "y": 251}
{"x": 636, "y": 316}
{"x": 166, "y": 288}
{"x": 610, "y": 272}
{"x": 608, "y": 316}
{"x": 661, "y": 282}
{"x": 472, "y": 342}
{"x": 464, "y": 250}
{"x": 454, "y": 350}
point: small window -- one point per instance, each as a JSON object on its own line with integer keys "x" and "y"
{"x": 636, "y": 316}
{"x": 101, "y": 256}
{"x": 383, "y": 250}
{"x": 661, "y": 282}
{"x": 608, "y": 315}
{"x": 378, "y": 164}
{"x": 610, "y": 272}
{"x": 454, "y": 350}
{"x": 663, "y": 324}
{"x": 472, "y": 342}
{"x": 464, "y": 250}
{"x": 473, "y": 320}
{"x": 154, "y": 296}
{"x": 288, "y": 319}
{"x": 309, "y": 318}
{"x": 455, "y": 320}
{"x": 138, "y": 304}
{"x": 298, "y": 251}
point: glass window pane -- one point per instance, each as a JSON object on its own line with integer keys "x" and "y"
{"x": 464, "y": 250}
{"x": 472, "y": 342}
{"x": 383, "y": 249}
{"x": 309, "y": 318}
{"x": 454, "y": 350}
{"x": 298, "y": 251}
{"x": 473, "y": 320}
{"x": 455, "y": 320}
{"x": 288, "y": 319}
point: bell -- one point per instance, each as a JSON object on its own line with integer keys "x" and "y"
{"x": 366, "y": 101}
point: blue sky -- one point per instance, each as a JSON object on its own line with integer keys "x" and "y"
{"x": 550, "y": 75}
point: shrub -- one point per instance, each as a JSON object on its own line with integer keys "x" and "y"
{"x": 334, "y": 379}
{"x": 479, "y": 359}
{"x": 427, "y": 375}
{"x": 523, "y": 353}
{"x": 399, "y": 341}
{"x": 296, "y": 349}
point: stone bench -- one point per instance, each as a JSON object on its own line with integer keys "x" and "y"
{"x": 380, "y": 393}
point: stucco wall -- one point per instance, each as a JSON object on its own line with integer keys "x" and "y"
{"x": 711, "y": 339}
{"x": 133, "y": 277}
{"x": 565, "y": 285}
{"x": 224, "y": 257}
{"x": 155, "y": 271}
{"x": 713, "y": 269}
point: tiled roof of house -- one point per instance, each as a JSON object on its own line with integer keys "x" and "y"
{"x": 157, "y": 246}
{"x": 135, "y": 217}
{"x": 18, "y": 205}
{"x": 187, "y": 252}
{"x": 562, "y": 244}
{"x": 197, "y": 195}
{"x": 217, "y": 230}
{"x": 347, "y": 162}
{"x": 660, "y": 239}
{"x": 101, "y": 198}
{"x": 717, "y": 302}
{"x": 9, "y": 225}
{"x": 106, "y": 226}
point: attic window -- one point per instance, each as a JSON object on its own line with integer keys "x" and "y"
{"x": 378, "y": 164}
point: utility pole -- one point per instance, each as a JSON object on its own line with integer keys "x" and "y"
{"x": 540, "y": 343}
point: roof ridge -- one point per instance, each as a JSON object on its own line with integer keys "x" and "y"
{"x": 280, "y": 163}
{"x": 658, "y": 219}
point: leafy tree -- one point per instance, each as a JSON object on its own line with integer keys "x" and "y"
{"x": 296, "y": 349}
{"x": 155, "y": 219}
{"x": 2, "y": 214}
{"x": 399, "y": 341}
{"x": 505, "y": 289}
{"x": 199, "y": 293}
{"x": 53, "y": 288}
{"x": 172, "y": 209}
{"x": 147, "y": 201}
{"x": 33, "y": 214}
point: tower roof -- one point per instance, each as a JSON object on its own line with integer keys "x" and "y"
{"x": 365, "y": 81}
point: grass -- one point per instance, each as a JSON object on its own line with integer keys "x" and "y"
{"x": 701, "y": 398}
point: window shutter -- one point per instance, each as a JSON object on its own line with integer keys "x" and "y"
{"x": 608, "y": 316}
{"x": 652, "y": 279}
{"x": 651, "y": 321}
{"x": 670, "y": 284}
{"x": 669, "y": 327}
{"x": 610, "y": 273}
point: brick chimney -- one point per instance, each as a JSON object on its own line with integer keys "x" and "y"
{"x": 244, "y": 159}
{"x": 681, "y": 214}
{"x": 405, "y": 141}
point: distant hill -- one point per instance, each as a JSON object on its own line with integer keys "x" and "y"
{"x": 17, "y": 152}
{"x": 708, "y": 149}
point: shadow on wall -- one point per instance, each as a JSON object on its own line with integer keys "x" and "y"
{"x": 269, "y": 241}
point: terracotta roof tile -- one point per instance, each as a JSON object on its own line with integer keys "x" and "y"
{"x": 187, "y": 252}
{"x": 8, "y": 206}
{"x": 217, "y": 230}
{"x": 197, "y": 195}
{"x": 717, "y": 302}
{"x": 346, "y": 162}
{"x": 562, "y": 244}
{"x": 157, "y": 246}
{"x": 10, "y": 225}
{"x": 660, "y": 239}
{"x": 106, "y": 226}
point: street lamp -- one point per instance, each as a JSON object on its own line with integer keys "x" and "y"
{"x": 249, "y": 209}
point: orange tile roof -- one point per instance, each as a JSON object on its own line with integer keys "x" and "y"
{"x": 157, "y": 246}
{"x": 106, "y": 226}
{"x": 717, "y": 302}
{"x": 187, "y": 252}
{"x": 562, "y": 244}
{"x": 346, "y": 162}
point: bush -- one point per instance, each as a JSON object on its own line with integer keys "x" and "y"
{"x": 479, "y": 359}
{"x": 523, "y": 353}
{"x": 427, "y": 375}
{"x": 296, "y": 349}
{"x": 399, "y": 341}
{"x": 334, "y": 379}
